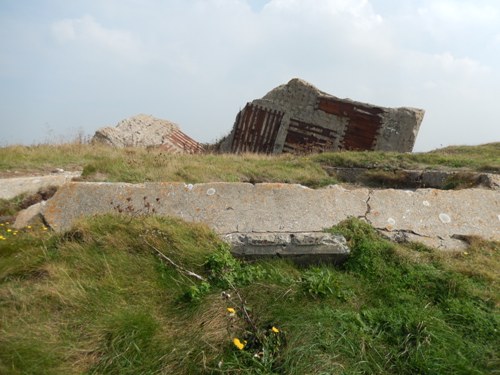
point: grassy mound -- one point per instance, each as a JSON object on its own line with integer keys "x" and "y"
{"x": 102, "y": 163}
{"x": 121, "y": 295}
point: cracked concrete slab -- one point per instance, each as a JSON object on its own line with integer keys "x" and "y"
{"x": 225, "y": 207}
{"x": 434, "y": 217}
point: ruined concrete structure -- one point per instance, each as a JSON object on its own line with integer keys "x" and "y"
{"x": 148, "y": 131}
{"x": 297, "y": 117}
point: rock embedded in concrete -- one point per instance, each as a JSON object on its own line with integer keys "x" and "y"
{"x": 147, "y": 131}
{"x": 297, "y": 117}
{"x": 302, "y": 247}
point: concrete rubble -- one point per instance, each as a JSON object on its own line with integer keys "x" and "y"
{"x": 297, "y": 117}
{"x": 411, "y": 179}
{"x": 13, "y": 187}
{"x": 436, "y": 218}
{"x": 147, "y": 131}
{"x": 315, "y": 247}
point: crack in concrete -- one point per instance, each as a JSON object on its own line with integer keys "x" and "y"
{"x": 368, "y": 207}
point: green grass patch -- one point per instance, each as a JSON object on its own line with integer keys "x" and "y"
{"x": 100, "y": 299}
{"x": 103, "y": 163}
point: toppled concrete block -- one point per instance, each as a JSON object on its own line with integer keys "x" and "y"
{"x": 297, "y": 117}
{"x": 147, "y": 131}
{"x": 301, "y": 247}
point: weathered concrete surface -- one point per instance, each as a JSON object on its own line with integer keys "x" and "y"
{"x": 12, "y": 187}
{"x": 434, "y": 217}
{"x": 308, "y": 247}
{"x": 225, "y": 207}
{"x": 297, "y": 117}
{"x": 147, "y": 131}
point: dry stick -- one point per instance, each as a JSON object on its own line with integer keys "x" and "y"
{"x": 180, "y": 268}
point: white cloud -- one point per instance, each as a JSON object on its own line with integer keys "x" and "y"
{"x": 90, "y": 33}
{"x": 460, "y": 12}
{"x": 201, "y": 60}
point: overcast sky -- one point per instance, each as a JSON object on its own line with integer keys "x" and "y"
{"x": 72, "y": 66}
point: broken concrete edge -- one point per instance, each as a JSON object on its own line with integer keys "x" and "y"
{"x": 11, "y": 188}
{"x": 300, "y": 247}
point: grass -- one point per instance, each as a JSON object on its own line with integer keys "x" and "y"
{"x": 98, "y": 300}
{"x": 102, "y": 163}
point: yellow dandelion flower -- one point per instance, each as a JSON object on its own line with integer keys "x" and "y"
{"x": 9, "y": 230}
{"x": 2, "y": 224}
{"x": 240, "y": 345}
{"x": 275, "y": 330}
{"x": 2, "y": 238}
{"x": 231, "y": 311}
{"x": 29, "y": 227}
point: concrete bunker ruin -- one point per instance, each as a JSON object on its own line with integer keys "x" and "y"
{"x": 297, "y": 117}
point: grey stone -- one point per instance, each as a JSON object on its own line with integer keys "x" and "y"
{"x": 28, "y": 215}
{"x": 12, "y": 187}
{"x": 491, "y": 180}
{"x": 303, "y": 247}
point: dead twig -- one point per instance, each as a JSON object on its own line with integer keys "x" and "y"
{"x": 180, "y": 268}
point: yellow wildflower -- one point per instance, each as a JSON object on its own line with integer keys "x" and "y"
{"x": 231, "y": 311}
{"x": 275, "y": 330}
{"x": 29, "y": 227}
{"x": 240, "y": 345}
{"x": 9, "y": 230}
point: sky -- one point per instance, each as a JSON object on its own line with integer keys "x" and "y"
{"x": 70, "y": 67}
